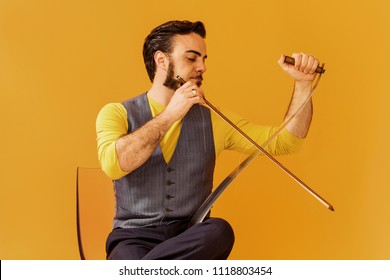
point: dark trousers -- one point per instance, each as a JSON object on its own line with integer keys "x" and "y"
{"x": 212, "y": 239}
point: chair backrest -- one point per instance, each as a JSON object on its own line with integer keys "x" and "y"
{"x": 95, "y": 211}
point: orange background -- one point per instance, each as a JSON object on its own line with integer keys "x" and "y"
{"x": 61, "y": 61}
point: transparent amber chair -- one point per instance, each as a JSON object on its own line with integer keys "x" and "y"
{"x": 95, "y": 210}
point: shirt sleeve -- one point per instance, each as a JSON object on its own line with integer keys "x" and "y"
{"x": 111, "y": 124}
{"x": 227, "y": 138}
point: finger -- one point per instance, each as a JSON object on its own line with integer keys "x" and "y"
{"x": 185, "y": 89}
{"x": 196, "y": 91}
{"x": 200, "y": 92}
{"x": 187, "y": 85}
{"x": 193, "y": 92}
{"x": 298, "y": 60}
{"x": 197, "y": 99}
{"x": 281, "y": 59}
{"x": 314, "y": 66}
{"x": 309, "y": 65}
{"x": 304, "y": 61}
{"x": 190, "y": 91}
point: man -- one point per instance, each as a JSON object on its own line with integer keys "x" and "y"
{"x": 160, "y": 149}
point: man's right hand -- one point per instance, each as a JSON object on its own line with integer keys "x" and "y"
{"x": 183, "y": 99}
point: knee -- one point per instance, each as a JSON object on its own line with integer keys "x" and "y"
{"x": 221, "y": 231}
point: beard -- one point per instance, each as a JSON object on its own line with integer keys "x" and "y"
{"x": 172, "y": 83}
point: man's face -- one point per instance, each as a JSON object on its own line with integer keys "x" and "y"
{"x": 186, "y": 60}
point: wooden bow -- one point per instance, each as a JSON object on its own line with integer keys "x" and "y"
{"x": 209, "y": 202}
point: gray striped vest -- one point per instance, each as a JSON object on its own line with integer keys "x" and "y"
{"x": 158, "y": 192}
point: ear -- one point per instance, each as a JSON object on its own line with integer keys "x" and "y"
{"x": 162, "y": 60}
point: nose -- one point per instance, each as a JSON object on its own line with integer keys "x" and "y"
{"x": 201, "y": 67}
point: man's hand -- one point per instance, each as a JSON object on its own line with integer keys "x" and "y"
{"x": 183, "y": 99}
{"x": 304, "y": 68}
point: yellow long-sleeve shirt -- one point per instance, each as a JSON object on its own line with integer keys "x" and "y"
{"x": 111, "y": 124}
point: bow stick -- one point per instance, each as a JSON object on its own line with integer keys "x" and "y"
{"x": 208, "y": 203}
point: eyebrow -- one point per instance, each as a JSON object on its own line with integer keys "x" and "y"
{"x": 196, "y": 52}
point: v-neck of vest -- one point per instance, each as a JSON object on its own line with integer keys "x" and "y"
{"x": 178, "y": 139}
{"x": 178, "y": 144}
{"x": 183, "y": 129}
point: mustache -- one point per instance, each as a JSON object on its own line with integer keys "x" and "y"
{"x": 200, "y": 78}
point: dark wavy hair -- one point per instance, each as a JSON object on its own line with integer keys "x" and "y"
{"x": 160, "y": 39}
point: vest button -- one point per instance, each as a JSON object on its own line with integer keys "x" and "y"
{"x": 169, "y": 182}
{"x": 170, "y": 169}
{"x": 167, "y": 210}
{"x": 168, "y": 196}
